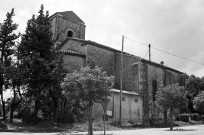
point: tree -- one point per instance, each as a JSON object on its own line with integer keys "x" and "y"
{"x": 13, "y": 76}
{"x": 7, "y": 43}
{"x": 194, "y": 86}
{"x": 171, "y": 97}
{"x": 90, "y": 86}
{"x": 199, "y": 102}
{"x": 40, "y": 61}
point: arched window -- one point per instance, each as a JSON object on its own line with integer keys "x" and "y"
{"x": 154, "y": 89}
{"x": 70, "y": 33}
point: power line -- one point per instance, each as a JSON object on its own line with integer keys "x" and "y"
{"x": 166, "y": 52}
{"x": 146, "y": 53}
{"x": 137, "y": 41}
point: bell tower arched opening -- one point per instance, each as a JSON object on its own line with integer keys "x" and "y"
{"x": 70, "y": 33}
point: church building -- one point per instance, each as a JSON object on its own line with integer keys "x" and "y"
{"x": 141, "y": 77}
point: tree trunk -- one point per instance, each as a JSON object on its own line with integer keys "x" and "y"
{"x": 3, "y": 107}
{"x": 12, "y": 105}
{"x": 55, "y": 109}
{"x": 37, "y": 106}
{"x": 165, "y": 116}
{"x": 11, "y": 114}
{"x": 171, "y": 118}
{"x": 90, "y": 121}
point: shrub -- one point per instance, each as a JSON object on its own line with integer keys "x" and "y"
{"x": 187, "y": 117}
{"x": 198, "y": 102}
{"x": 195, "y": 117}
{"x": 3, "y": 125}
{"x": 66, "y": 117}
{"x": 184, "y": 117}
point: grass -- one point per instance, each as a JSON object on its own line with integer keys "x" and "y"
{"x": 18, "y": 126}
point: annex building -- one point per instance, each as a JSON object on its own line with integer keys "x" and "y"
{"x": 141, "y": 79}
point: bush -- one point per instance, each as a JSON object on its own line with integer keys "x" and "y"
{"x": 3, "y": 125}
{"x": 184, "y": 117}
{"x": 202, "y": 117}
{"x": 195, "y": 117}
{"x": 66, "y": 117}
{"x": 187, "y": 117}
{"x": 29, "y": 118}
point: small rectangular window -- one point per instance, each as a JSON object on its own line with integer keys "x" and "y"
{"x": 136, "y": 100}
{"x": 123, "y": 98}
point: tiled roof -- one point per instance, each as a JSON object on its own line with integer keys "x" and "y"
{"x": 85, "y": 42}
{"x": 69, "y": 16}
{"x": 125, "y": 92}
{"x": 69, "y": 51}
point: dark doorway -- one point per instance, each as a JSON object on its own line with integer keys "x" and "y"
{"x": 154, "y": 90}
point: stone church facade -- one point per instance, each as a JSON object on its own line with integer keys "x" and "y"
{"x": 141, "y": 77}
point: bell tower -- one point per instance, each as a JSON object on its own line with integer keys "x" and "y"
{"x": 67, "y": 24}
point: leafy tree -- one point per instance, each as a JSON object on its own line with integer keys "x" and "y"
{"x": 199, "y": 102}
{"x": 171, "y": 97}
{"x": 194, "y": 86}
{"x": 41, "y": 64}
{"x": 7, "y": 43}
{"x": 89, "y": 86}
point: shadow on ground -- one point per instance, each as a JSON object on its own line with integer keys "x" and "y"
{"x": 181, "y": 129}
{"x": 39, "y": 128}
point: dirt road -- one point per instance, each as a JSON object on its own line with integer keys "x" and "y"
{"x": 188, "y": 130}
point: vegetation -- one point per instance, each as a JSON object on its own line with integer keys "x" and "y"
{"x": 87, "y": 87}
{"x": 194, "y": 85}
{"x": 199, "y": 102}
{"x": 171, "y": 97}
{"x": 7, "y": 50}
{"x": 42, "y": 67}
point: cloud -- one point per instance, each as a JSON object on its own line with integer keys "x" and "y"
{"x": 2, "y": 16}
{"x": 175, "y": 26}
{"x": 21, "y": 18}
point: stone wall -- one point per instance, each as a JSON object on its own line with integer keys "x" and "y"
{"x": 153, "y": 72}
{"x": 172, "y": 77}
{"x": 82, "y": 31}
{"x": 76, "y": 46}
{"x": 102, "y": 58}
{"x": 60, "y": 27}
{"x": 144, "y": 90}
{"x": 72, "y": 63}
{"x": 53, "y": 28}
{"x": 130, "y": 72}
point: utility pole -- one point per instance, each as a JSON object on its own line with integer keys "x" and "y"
{"x": 121, "y": 82}
{"x": 149, "y": 52}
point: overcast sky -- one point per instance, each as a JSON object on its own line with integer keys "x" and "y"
{"x": 176, "y": 26}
